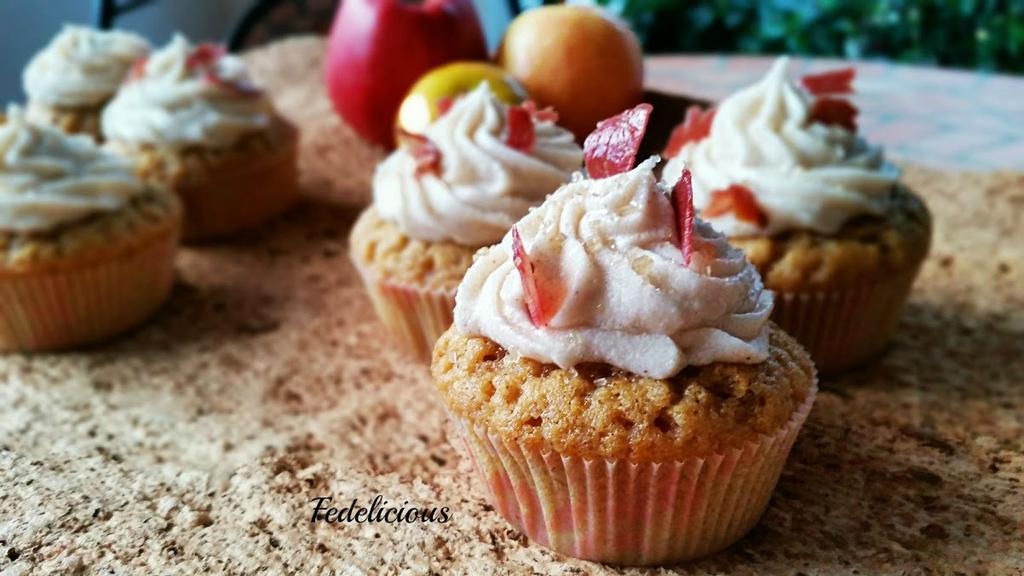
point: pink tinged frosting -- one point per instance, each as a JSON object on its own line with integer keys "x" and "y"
{"x": 184, "y": 95}
{"x": 485, "y": 182}
{"x": 804, "y": 174}
{"x": 49, "y": 178}
{"x": 609, "y": 251}
{"x": 81, "y": 66}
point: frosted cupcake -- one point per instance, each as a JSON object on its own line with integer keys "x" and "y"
{"x": 70, "y": 80}
{"x": 86, "y": 248}
{"x": 439, "y": 198}
{"x": 781, "y": 170}
{"x": 615, "y": 375}
{"x": 191, "y": 119}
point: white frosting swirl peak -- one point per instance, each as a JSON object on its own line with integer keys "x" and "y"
{"x": 485, "y": 185}
{"x": 81, "y": 66}
{"x": 610, "y": 247}
{"x": 804, "y": 175}
{"x": 177, "y": 103}
{"x": 48, "y": 178}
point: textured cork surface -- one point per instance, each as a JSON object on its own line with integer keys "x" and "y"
{"x": 195, "y": 444}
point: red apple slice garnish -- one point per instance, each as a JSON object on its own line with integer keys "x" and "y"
{"x": 444, "y": 104}
{"x": 834, "y": 111}
{"x": 832, "y": 82}
{"x": 242, "y": 89}
{"x": 537, "y": 307}
{"x": 424, "y": 152}
{"x": 548, "y": 114}
{"x": 738, "y": 200}
{"x": 682, "y": 200}
{"x": 519, "y": 127}
{"x": 204, "y": 56}
{"x": 612, "y": 147}
{"x": 695, "y": 127}
{"x": 138, "y": 69}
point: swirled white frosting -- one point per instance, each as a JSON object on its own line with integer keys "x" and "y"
{"x": 81, "y": 66}
{"x": 174, "y": 104}
{"x": 485, "y": 185}
{"x": 610, "y": 247}
{"x": 804, "y": 175}
{"x": 48, "y": 178}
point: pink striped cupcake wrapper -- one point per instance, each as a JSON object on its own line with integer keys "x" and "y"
{"x": 68, "y": 308}
{"x": 627, "y": 513}
{"x": 415, "y": 317}
{"x": 844, "y": 328}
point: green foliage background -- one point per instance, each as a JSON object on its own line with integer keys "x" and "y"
{"x": 980, "y": 34}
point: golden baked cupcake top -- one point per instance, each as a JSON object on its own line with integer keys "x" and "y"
{"x": 600, "y": 411}
{"x": 49, "y": 179}
{"x": 865, "y": 249}
{"x": 776, "y": 157}
{"x": 81, "y": 67}
{"x": 64, "y": 200}
{"x": 391, "y": 255}
{"x": 185, "y": 95}
{"x": 478, "y": 169}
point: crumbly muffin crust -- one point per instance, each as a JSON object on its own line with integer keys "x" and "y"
{"x": 864, "y": 249}
{"x": 381, "y": 246}
{"x": 598, "y": 411}
{"x": 174, "y": 167}
{"x": 154, "y": 212}
{"x": 71, "y": 120}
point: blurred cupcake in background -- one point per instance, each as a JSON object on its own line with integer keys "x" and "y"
{"x": 443, "y": 195}
{"x": 780, "y": 168}
{"x": 191, "y": 119}
{"x": 70, "y": 80}
{"x": 86, "y": 248}
{"x": 614, "y": 373}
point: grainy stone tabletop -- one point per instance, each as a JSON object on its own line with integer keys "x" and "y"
{"x": 195, "y": 444}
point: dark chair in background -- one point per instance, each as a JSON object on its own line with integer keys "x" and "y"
{"x": 105, "y": 12}
{"x": 264, "y": 20}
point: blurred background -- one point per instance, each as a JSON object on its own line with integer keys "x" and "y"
{"x": 979, "y": 34}
{"x": 251, "y": 21}
{"x": 973, "y": 34}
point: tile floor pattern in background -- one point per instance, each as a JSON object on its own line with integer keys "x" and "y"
{"x": 937, "y": 117}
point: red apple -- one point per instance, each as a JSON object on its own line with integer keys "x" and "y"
{"x": 379, "y": 48}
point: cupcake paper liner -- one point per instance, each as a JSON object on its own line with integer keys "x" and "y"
{"x": 626, "y": 513}
{"x": 238, "y": 195}
{"x": 843, "y": 328}
{"x": 415, "y": 317}
{"x": 67, "y": 308}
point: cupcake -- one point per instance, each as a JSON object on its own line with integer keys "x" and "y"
{"x": 442, "y": 196}
{"x": 614, "y": 374}
{"x": 70, "y": 80}
{"x": 86, "y": 248}
{"x": 191, "y": 120}
{"x": 781, "y": 170}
